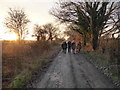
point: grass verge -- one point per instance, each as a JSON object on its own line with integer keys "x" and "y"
{"x": 21, "y": 62}
{"x": 106, "y": 65}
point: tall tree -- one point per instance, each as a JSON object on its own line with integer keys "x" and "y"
{"x": 46, "y": 32}
{"x": 17, "y": 21}
{"x": 39, "y": 32}
{"x": 52, "y": 31}
{"x": 91, "y": 17}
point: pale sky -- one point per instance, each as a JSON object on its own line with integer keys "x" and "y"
{"x": 36, "y": 10}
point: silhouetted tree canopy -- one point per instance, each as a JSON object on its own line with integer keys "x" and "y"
{"x": 39, "y": 32}
{"x": 17, "y": 21}
{"x": 52, "y": 31}
{"x": 90, "y": 17}
{"x": 114, "y": 22}
{"x": 46, "y": 32}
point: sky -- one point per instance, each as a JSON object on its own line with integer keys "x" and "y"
{"x": 36, "y": 10}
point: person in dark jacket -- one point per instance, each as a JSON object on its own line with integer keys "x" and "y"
{"x": 64, "y": 46}
{"x": 69, "y": 46}
{"x": 73, "y": 44}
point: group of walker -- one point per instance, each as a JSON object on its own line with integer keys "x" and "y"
{"x": 71, "y": 46}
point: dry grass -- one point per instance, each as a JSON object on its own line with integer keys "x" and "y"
{"x": 107, "y": 57}
{"x": 111, "y": 46}
{"x": 20, "y": 59}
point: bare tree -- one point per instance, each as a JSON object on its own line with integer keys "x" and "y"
{"x": 91, "y": 17}
{"x": 46, "y": 32}
{"x": 17, "y": 21}
{"x": 52, "y": 31}
{"x": 39, "y": 32}
{"x": 113, "y": 23}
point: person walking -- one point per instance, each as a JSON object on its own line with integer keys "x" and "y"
{"x": 73, "y": 44}
{"x": 64, "y": 46}
{"x": 69, "y": 46}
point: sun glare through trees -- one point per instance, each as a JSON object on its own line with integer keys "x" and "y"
{"x": 60, "y": 43}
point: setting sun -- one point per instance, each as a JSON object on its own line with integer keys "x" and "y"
{"x": 9, "y": 36}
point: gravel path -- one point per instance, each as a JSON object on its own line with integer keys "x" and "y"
{"x": 71, "y": 71}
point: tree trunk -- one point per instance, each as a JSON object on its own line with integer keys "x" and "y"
{"x": 19, "y": 37}
{"x": 85, "y": 40}
{"x": 95, "y": 40}
{"x": 38, "y": 38}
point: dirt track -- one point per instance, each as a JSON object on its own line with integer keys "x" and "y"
{"x": 71, "y": 71}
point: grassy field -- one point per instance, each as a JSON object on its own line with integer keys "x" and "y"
{"x": 21, "y": 59}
